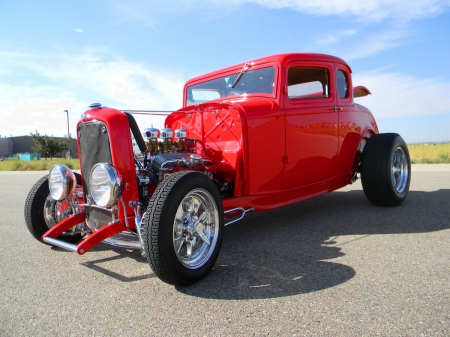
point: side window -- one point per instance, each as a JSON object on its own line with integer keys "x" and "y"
{"x": 306, "y": 82}
{"x": 342, "y": 84}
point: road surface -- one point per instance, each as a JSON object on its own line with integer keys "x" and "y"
{"x": 331, "y": 266}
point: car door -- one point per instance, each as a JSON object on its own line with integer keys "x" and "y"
{"x": 311, "y": 123}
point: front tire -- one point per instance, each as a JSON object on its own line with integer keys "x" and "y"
{"x": 386, "y": 169}
{"x": 182, "y": 229}
{"x": 34, "y": 212}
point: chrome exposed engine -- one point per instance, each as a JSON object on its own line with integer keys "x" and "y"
{"x": 167, "y": 163}
{"x": 171, "y": 151}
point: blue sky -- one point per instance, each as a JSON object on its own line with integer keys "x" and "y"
{"x": 61, "y": 55}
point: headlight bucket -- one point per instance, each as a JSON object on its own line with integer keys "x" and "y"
{"x": 61, "y": 182}
{"x": 105, "y": 184}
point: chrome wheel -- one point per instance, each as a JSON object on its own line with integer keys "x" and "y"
{"x": 182, "y": 229}
{"x": 56, "y": 211}
{"x": 195, "y": 228}
{"x": 386, "y": 169}
{"x": 400, "y": 172}
{"x": 43, "y": 212}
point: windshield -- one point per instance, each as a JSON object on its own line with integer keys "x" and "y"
{"x": 251, "y": 82}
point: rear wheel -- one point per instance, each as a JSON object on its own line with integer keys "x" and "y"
{"x": 386, "y": 169}
{"x": 42, "y": 212}
{"x": 183, "y": 227}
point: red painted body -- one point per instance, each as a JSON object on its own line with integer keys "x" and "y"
{"x": 123, "y": 160}
{"x": 274, "y": 148}
{"x": 278, "y": 150}
{"x": 121, "y": 148}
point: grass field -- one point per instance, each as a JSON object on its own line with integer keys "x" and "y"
{"x": 37, "y": 165}
{"x": 429, "y": 153}
{"x": 425, "y": 153}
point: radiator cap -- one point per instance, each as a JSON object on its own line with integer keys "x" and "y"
{"x": 95, "y": 105}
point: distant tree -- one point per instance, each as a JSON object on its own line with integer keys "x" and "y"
{"x": 47, "y": 146}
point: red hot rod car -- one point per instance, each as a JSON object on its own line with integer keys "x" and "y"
{"x": 251, "y": 137}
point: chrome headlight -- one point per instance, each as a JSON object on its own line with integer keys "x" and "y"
{"x": 105, "y": 184}
{"x": 61, "y": 182}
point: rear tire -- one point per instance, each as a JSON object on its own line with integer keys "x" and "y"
{"x": 182, "y": 229}
{"x": 386, "y": 169}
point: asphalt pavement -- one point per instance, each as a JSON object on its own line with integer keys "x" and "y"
{"x": 332, "y": 266}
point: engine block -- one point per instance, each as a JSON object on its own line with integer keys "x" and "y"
{"x": 168, "y": 163}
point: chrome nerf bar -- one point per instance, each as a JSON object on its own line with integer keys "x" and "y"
{"x": 60, "y": 244}
{"x": 238, "y": 209}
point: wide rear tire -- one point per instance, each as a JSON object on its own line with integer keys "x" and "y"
{"x": 182, "y": 228}
{"x": 386, "y": 169}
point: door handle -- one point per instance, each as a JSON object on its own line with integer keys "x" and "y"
{"x": 337, "y": 108}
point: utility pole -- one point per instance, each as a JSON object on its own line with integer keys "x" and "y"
{"x": 67, "y": 113}
{"x": 68, "y": 134}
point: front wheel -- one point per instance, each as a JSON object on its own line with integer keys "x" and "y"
{"x": 182, "y": 229}
{"x": 386, "y": 169}
{"x": 42, "y": 212}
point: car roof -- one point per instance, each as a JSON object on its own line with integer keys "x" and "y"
{"x": 281, "y": 59}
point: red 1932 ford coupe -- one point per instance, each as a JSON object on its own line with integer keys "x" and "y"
{"x": 251, "y": 137}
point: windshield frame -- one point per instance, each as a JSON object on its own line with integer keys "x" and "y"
{"x": 200, "y": 83}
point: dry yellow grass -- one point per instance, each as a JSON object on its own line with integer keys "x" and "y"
{"x": 429, "y": 153}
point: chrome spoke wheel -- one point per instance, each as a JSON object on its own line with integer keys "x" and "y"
{"x": 400, "y": 172}
{"x": 183, "y": 227}
{"x": 195, "y": 228}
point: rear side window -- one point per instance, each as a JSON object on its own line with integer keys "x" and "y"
{"x": 306, "y": 82}
{"x": 342, "y": 84}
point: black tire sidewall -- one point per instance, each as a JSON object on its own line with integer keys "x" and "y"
{"x": 34, "y": 211}
{"x": 184, "y": 184}
{"x": 376, "y": 166}
{"x": 399, "y": 142}
{"x": 34, "y": 208}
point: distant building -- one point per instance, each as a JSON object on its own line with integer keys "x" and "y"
{"x": 6, "y": 147}
{"x": 24, "y": 144}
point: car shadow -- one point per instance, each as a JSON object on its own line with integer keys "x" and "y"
{"x": 103, "y": 265}
{"x": 283, "y": 252}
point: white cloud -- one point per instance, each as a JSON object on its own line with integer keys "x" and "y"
{"x": 376, "y": 25}
{"x": 375, "y": 10}
{"x": 41, "y": 86}
{"x": 367, "y": 37}
{"x": 372, "y": 44}
{"x": 351, "y": 44}
{"x": 333, "y": 38}
{"x": 401, "y": 95}
{"x": 78, "y": 30}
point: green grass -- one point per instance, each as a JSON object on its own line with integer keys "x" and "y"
{"x": 37, "y": 165}
{"x": 429, "y": 153}
{"x": 425, "y": 153}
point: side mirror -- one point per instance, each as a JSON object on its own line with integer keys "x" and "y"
{"x": 360, "y": 91}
